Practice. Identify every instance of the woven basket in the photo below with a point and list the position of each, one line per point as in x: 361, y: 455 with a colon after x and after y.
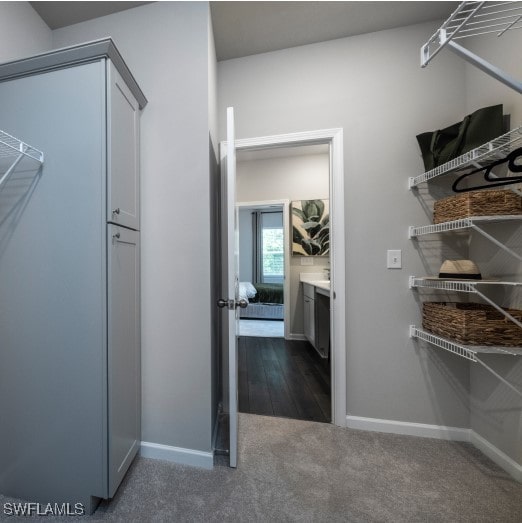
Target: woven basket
x: 477, y: 203
x: 472, y: 323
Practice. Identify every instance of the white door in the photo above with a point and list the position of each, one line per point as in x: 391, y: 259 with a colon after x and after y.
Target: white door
x: 230, y: 283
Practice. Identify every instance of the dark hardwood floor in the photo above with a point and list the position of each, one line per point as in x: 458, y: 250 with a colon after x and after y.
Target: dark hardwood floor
x: 283, y: 378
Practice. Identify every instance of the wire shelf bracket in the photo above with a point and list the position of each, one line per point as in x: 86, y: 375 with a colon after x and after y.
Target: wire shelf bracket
x: 473, y: 223
x: 468, y: 352
x: 479, y: 157
x: 465, y: 286
x: 473, y: 19
x: 14, y: 151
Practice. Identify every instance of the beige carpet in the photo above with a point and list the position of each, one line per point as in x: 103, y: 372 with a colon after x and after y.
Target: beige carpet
x: 293, y: 470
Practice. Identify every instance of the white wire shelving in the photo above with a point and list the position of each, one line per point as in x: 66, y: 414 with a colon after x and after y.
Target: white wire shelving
x: 496, y: 149
x: 469, y: 287
x: 475, y: 19
x: 469, y: 352
x: 12, y: 152
x: 473, y: 223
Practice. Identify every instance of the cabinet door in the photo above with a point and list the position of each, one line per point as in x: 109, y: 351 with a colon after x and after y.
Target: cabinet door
x: 123, y: 361
x: 123, y: 184
x: 309, y: 320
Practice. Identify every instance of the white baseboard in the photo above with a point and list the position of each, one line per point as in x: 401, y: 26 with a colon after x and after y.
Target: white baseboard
x: 408, y: 429
x: 297, y: 337
x: 500, y: 458
x: 422, y: 430
x: 195, y: 458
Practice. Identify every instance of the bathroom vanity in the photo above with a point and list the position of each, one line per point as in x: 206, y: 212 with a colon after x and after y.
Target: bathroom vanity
x: 316, y: 311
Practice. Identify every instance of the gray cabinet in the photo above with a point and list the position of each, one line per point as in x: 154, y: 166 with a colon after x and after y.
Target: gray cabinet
x: 124, y: 358
x: 69, y: 278
x: 123, y: 152
x: 309, y: 312
x: 316, y: 318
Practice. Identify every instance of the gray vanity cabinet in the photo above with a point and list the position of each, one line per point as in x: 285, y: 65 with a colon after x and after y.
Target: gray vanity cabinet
x: 69, y: 278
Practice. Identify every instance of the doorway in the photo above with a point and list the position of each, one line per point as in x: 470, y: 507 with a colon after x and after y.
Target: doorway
x: 334, y: 139
x: 281, y: 371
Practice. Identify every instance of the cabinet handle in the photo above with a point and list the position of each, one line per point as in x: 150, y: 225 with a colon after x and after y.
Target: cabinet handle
x: 116, y: 211
x: 116, y: 236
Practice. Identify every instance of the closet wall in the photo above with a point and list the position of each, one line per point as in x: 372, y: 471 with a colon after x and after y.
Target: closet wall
x: 373, y: 87
x: 288, y: 178
x: 496, y: 411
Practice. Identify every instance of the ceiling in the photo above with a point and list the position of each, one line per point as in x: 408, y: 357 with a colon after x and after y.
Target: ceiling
x: 247, y: 28
x: 62, y: 14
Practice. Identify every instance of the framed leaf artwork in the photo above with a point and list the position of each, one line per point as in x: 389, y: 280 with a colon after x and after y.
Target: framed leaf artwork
x: 310, y: 228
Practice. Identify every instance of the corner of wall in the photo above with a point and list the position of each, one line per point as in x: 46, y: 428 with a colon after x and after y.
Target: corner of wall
x: 22, y: 32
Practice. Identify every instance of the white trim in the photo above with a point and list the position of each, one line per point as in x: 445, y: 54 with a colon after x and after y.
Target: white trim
x: 285, y: 204
x: 337, y: 279
x: 406, y: 428
x: 284, y: 140
x: 334, y: 138
x: 195, y: 458
x: 494, y: 454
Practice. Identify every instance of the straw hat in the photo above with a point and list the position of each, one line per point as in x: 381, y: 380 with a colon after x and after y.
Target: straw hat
x: 460, y: 269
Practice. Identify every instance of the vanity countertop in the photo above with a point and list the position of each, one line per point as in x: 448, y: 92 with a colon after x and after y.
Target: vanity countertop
x: 317, y: 279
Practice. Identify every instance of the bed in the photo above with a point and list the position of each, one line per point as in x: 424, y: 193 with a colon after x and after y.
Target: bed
x: 265, y: 300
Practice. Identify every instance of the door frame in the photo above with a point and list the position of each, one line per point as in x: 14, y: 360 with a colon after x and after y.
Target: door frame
x: 333, y: 138
x: 285, y: 204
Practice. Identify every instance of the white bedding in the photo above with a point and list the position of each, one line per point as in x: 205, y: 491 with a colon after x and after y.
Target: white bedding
x: 246, y: 290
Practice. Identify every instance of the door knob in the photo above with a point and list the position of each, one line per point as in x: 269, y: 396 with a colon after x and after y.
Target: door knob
x: 232, y: 304
x: 221, y: 303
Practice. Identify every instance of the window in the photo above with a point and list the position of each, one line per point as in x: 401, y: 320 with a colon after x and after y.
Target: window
x: 268, y: 259
x: 272, y: 264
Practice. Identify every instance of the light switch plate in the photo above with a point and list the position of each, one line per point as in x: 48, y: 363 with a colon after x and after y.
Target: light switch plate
x: 394, y: 259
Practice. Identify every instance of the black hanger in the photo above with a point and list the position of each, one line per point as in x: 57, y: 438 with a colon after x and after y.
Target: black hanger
x: 497, y: 181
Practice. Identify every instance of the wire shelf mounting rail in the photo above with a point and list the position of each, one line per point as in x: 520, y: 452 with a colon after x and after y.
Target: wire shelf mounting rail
x: 473, y: 223
x: 474, y: 19
x: 14, y: 150
x: 479, y: 157
x: 470, y: 287
x: 468, y: 352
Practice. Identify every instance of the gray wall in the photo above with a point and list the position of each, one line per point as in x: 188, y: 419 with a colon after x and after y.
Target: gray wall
x: 496, y: 411
x: 288, y: 178
x: 373, y: 87
x: 22, y: 32
x: 166, y: 47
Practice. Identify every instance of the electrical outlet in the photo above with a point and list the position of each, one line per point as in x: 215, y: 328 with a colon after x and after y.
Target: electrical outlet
x: 305, y: 260
x: 394, y: 259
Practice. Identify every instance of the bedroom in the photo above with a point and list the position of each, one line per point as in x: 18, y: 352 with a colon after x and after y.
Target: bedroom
x: 273, y: 346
